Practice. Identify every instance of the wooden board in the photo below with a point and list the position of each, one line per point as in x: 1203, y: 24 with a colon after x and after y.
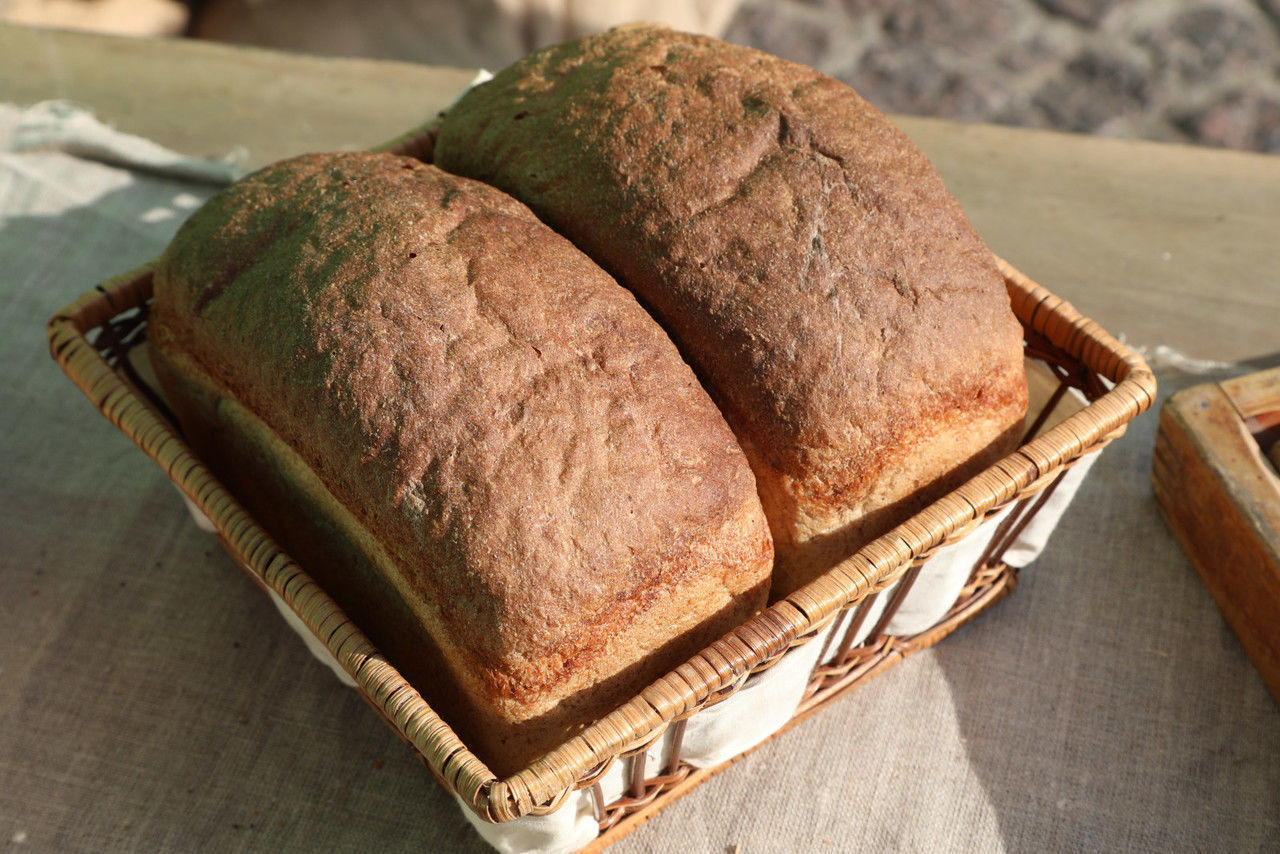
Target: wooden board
x: 1163, y: 243
x: 1221, y: 497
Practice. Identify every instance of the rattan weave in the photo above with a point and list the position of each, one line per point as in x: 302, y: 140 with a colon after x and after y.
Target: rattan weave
x: 91, y: 338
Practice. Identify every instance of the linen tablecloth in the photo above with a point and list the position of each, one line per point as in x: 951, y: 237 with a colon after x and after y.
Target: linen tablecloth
x: 151, y: 698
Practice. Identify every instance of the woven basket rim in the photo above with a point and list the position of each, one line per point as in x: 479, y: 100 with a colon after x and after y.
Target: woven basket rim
x: 546, y: 781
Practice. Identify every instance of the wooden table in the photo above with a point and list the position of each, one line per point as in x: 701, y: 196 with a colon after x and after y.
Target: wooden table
x: 1162, y: 244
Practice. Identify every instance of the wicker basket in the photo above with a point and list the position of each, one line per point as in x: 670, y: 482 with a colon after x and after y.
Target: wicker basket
x: 91, y: 340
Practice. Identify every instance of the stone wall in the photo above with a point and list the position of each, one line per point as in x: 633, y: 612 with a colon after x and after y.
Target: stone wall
x: 1206, y: 71
x: 1203, y: 71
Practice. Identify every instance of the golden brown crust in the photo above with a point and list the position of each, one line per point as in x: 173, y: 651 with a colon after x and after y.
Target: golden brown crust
x: 527, y: 445
x: 801, y: 251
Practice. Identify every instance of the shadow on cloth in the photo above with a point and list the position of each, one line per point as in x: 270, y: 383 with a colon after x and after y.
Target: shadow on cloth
x: 1108, y: 693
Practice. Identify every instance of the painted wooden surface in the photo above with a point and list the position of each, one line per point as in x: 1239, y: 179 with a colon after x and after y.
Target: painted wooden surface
x: 1221, y: 498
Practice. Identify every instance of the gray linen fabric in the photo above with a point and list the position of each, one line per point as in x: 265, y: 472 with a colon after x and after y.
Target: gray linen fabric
x: 152, y: 699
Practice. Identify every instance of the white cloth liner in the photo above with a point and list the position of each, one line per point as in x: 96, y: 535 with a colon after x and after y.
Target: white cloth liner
x: 567, y: 829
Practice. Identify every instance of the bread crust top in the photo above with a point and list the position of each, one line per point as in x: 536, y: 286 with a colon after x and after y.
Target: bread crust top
x: 522, y: 437
x: 801, y: 250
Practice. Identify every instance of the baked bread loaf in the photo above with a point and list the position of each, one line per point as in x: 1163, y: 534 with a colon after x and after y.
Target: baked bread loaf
x: 801, y: 251
x: 482, y: 445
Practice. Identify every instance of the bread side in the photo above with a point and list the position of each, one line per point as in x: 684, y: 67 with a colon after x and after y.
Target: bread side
x: 560, y: 504
x: 801, y: 251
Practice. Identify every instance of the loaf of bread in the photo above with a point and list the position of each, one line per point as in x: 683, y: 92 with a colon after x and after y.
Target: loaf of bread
x: 801, y: 251
x: 479, y: 443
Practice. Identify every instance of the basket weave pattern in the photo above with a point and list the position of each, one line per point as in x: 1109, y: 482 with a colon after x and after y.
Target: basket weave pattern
x: 1115, y: 380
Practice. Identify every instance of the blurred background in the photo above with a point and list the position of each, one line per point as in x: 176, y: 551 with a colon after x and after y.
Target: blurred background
x: 1198, y: 71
